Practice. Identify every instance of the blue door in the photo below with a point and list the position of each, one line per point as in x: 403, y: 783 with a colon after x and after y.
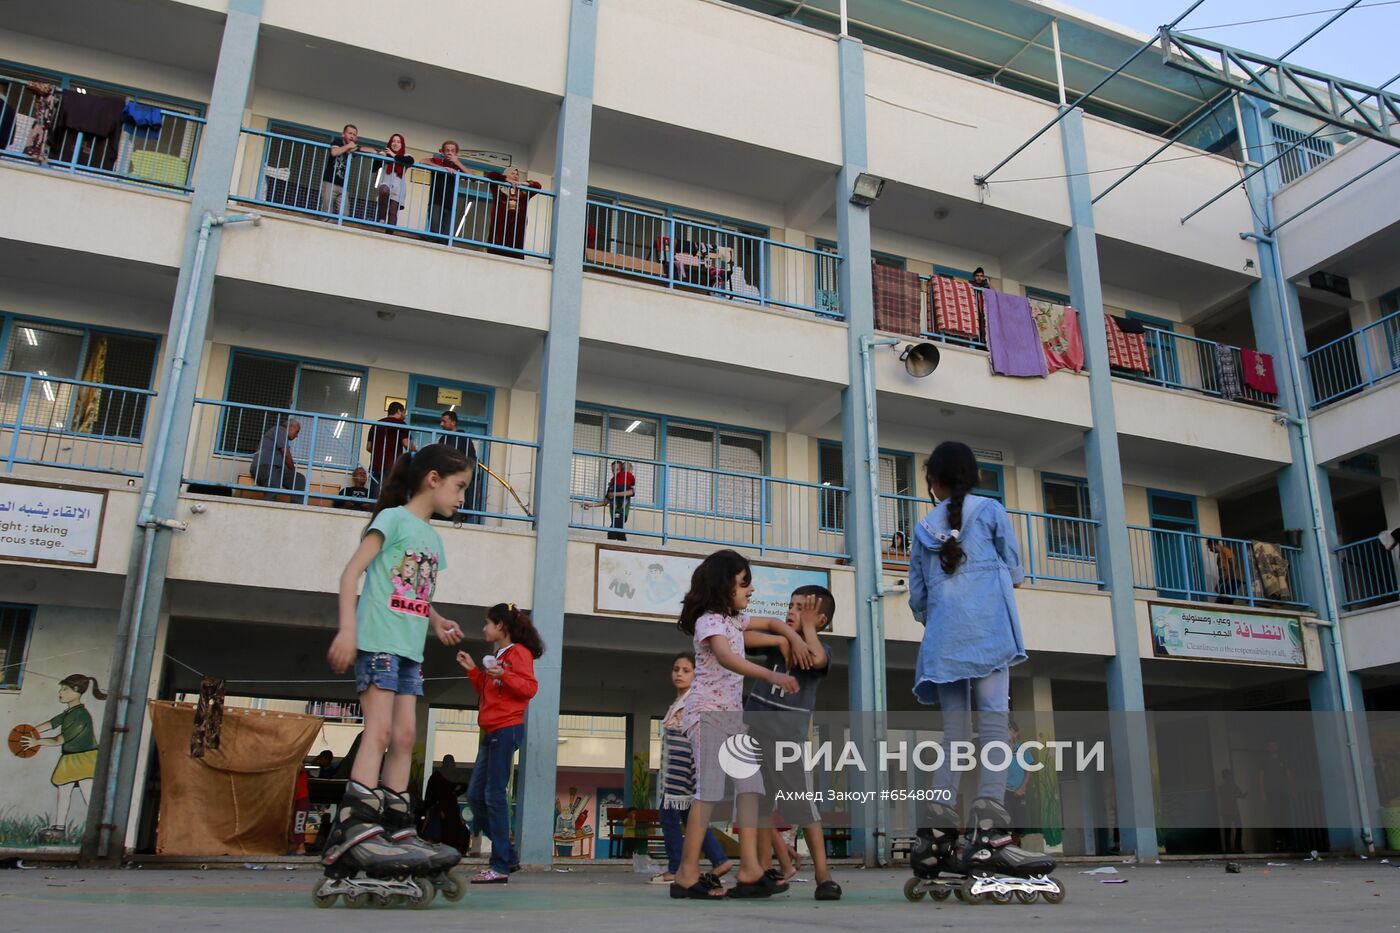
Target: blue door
x: 1177, y: 561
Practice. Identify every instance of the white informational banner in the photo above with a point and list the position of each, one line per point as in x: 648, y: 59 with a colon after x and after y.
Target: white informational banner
x: 1227, y: 634
x: 50, y: 524
x: 652, y: 583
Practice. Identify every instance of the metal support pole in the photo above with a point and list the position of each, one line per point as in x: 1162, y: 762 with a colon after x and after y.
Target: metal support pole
x: 1342, y: 187
x: 1059, y: 61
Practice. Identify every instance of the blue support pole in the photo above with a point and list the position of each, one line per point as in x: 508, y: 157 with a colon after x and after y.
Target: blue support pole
x: 558, y: 395
x: 1132, y: 767
x: 867, y: 657
x: 115, y: 782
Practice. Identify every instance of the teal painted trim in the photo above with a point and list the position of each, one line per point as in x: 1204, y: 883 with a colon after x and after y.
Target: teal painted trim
x: 558, y: 402
x: 686, y: 214
x: 1132, y: 761
x: 1044, y: 294
x: 65, y: 80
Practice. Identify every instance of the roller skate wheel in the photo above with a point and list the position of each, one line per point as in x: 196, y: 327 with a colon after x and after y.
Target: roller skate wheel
x: 913, y: 890
x: 357, y: 900
x: 322, y: 900
x: 940, y: 894
x: 426, y: 892
x: 967, y: 897
x: 454, y: 885
x: 1027, y: 897
x: 1059, y: 893
x: 1000, y: 897
x: 381, y: 901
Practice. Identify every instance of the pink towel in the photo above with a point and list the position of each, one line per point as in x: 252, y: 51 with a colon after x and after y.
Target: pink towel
x: 1058, y: 326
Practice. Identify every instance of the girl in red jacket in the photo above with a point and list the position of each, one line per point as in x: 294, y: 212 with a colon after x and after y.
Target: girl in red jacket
x: 505, y: 681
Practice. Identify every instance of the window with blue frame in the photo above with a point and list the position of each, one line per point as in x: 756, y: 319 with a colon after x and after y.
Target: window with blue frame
x: 1044, y: 294
x: 114, y: 361
x: 1067, y: 497
x: 16, y: 625
x: 901, y: 502
x: 692, y: 452
x: 286, y: 385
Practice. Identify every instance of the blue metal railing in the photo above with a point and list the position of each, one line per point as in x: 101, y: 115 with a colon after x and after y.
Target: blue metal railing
x: 72, y: 424
x: 438, y: 205
x: 1370, y: 574
x: 677, y: 502
x: 161, y: 155
x: 1052, y: 547
x: 1354, y: 361
x: 226, y: 435
x: 1208, y: 568
x: 1181, y: 361
x: 737, y: 266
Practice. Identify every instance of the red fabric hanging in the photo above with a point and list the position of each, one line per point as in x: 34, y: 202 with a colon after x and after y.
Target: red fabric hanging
x: 1258, y: 371
x: 955, y: 307
x: 1126, y: 351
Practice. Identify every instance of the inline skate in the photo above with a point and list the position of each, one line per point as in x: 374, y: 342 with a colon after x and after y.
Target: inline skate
x: 364, y: 866
x: 983, y: 865
x: 442, y: 859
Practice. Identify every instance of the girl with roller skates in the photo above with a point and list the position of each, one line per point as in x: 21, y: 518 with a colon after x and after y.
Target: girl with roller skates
x: 962, y: 569
x: 382, y: 634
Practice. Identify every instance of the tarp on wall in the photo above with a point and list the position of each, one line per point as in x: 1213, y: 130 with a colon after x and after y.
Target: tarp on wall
x: 237, y: 799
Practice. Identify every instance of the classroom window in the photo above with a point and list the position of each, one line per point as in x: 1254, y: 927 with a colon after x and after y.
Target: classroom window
x: 1069, y: 498
x: 309, y: 388
x: 16, y: 623
x: 897, y: 479
x: 89, y: 355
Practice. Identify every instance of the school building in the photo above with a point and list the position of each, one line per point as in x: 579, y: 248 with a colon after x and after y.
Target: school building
x: 747, y: 213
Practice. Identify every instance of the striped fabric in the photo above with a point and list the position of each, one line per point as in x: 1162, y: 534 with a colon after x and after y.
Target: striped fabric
x: 955, y: 307
x: 1125, y: 351
x: 896, y: 294
x: 678, y: 770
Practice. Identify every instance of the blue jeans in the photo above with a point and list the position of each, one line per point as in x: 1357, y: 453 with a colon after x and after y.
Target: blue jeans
x: 486, y: 794
x: 993, y: 700
x: 673, y: 830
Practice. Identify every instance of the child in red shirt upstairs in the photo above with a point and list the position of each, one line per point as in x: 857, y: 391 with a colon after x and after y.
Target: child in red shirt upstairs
x: 505, y: 681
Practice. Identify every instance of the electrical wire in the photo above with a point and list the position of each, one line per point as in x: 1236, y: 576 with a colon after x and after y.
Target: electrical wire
x: 1275, y: 19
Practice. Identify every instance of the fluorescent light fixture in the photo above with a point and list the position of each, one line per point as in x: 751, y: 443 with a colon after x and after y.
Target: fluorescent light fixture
x: 29, y: 337
x: 339, y: 429
x: 866, y: 190
x: 634, y: 426
x: 354, y: 383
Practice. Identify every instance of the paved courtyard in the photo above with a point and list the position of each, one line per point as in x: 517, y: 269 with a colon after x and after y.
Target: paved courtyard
x: 1361, y: 896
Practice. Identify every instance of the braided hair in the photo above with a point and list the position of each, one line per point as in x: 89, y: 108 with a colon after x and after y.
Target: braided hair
x: 952, y: 465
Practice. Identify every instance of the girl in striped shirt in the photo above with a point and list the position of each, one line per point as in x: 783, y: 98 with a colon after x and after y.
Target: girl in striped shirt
x: 678, y: 779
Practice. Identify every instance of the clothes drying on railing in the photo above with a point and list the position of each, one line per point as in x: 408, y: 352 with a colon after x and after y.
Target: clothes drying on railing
x: 145, y: 119
x: 1058, y: 326
x: 1259, y: 371
x: 1013, y: 343
x: 896, y: 293
x: 1228, y: 372
x: 1270, y: 572
x: 1127, y: 344
x: 955, y: 307
x: 99, y: 120
x: 46, y: 102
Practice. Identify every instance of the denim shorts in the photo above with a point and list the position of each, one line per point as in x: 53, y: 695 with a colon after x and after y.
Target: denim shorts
x: 388, y: 672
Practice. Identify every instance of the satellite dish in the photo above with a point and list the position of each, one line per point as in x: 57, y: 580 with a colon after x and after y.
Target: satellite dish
x: 920, y: 359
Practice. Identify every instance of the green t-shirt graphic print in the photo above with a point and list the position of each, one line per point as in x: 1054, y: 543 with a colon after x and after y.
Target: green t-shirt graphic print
x: 392, y: 615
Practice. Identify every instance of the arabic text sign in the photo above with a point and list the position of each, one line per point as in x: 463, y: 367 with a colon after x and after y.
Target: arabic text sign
x: 1225, y: 635
x: 50, y: 524
x: 651, y: 583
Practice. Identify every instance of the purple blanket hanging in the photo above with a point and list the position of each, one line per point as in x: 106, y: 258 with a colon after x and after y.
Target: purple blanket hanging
x: 1012, y: 338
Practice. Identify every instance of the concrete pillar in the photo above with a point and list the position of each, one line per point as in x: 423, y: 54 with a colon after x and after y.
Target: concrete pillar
x: 558, y: 396
x: 134, y: 652
x: 1131, y: 763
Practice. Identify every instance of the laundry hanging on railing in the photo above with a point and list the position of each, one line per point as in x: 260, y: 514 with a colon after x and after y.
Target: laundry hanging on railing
x: 896, y: 294
x: 1127, y: 344
x: 1228, y: 373
x: 1259, y: 371
x: 145, y: 119
x: 1013, y: 343
x: 1270, y: 572
x: 1058, y: 326
x: 955, y: 307
x: 98, y: 119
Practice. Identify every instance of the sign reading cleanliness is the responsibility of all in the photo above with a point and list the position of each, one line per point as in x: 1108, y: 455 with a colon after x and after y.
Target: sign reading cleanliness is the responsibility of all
x: 50, y: 524
x: 1225, y: 635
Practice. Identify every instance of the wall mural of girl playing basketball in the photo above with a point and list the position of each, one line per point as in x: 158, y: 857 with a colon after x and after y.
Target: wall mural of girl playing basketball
x: 73, y: 733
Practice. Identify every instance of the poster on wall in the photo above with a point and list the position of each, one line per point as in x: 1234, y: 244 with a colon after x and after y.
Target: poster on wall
x: 50, y: 524
x: 637, y: 582
x: 1226, y: 634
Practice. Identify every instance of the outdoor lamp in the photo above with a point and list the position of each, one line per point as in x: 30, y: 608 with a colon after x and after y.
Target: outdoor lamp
x: 866, y: 190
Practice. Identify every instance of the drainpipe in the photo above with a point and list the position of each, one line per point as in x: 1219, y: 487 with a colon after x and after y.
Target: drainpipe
x: 148, y: 521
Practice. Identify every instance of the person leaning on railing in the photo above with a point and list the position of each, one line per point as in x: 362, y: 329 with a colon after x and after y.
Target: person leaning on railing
x: 390, y: 181
x: 337, y: 163
x: 442, y: 192
x: 508, y: 203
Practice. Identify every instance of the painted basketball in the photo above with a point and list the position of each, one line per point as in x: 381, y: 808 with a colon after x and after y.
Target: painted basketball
x: 19, y: 732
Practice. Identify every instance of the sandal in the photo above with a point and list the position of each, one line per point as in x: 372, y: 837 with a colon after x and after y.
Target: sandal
x: 490, y: 876
x: 662, y: 879
x: 761, y: 888
x: 699, y: 891
x: 828, y: 891
x: 774, y: 879
x: 711, y: 879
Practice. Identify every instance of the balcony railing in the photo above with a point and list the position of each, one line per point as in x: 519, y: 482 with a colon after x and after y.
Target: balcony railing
x: 1206, y: 568
x: 225, y: 436
x: 150, y: 146
x: 1370, y: 574
x: 439, y: 205
x: 1353, y: 362
x: 1052, y: 547
x: 675, y: 502
x: 1181, y: 361
x: 699, y: 257
x: 72, y: 424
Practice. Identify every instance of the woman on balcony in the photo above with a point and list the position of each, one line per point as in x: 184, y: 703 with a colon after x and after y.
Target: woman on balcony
x: 391, y: 180
x: 508, y: 203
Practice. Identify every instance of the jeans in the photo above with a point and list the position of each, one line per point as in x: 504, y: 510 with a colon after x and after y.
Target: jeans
x: 673, y: 829
x: 619, y: 519
x: 279, y: 475
x: 486, y: 794
x: 993, y: 701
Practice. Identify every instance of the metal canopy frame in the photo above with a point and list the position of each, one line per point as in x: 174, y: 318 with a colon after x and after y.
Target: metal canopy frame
x: 1360, y: 108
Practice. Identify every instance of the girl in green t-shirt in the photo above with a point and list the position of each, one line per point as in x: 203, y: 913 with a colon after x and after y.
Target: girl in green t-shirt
x: 381, y: 635
x: 75, y: 735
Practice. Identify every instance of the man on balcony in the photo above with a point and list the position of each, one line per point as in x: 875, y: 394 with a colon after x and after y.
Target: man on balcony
x: 387, y: 440
x: 273, y: 464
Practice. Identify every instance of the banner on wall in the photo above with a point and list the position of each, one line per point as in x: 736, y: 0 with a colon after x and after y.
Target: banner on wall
x: 50, y: 524
x: 1227, y: 634
x: 638, y: 582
